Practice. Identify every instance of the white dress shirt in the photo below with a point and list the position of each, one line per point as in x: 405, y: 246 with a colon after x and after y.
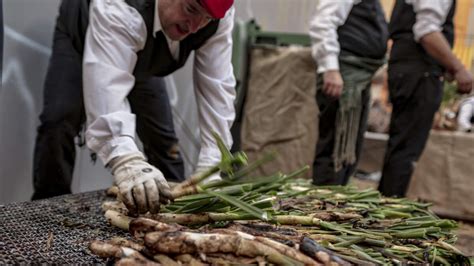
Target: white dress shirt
x: 430, y: 16
x: 327, y: 18
x: 116, y: 33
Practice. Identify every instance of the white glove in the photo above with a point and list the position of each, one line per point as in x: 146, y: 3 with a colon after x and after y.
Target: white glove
x: 141, y: 186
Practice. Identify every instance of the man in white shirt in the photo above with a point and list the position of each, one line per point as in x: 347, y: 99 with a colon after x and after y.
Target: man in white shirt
x: 423, y: 34
x: 349, y: 42
x: 122, y: 48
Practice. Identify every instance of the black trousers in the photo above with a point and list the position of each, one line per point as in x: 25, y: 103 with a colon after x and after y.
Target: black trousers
x: 63, y: 117
x: 323, y: 166
x: 416, y: 96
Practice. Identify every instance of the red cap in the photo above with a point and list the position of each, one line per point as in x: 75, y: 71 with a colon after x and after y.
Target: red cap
x: 217, y: 8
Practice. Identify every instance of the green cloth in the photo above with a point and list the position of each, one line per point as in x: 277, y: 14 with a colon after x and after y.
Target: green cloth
x: 357, y: 73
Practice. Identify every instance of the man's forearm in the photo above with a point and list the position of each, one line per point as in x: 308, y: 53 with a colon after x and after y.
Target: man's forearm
x: 438, y: 47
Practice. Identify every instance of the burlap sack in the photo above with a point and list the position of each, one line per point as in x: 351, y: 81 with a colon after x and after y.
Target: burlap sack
x: 280, y: 112
x: 444, y: 174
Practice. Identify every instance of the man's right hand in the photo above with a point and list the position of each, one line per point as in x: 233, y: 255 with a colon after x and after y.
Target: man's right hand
x: 464, y: 80
x: 142, y: 187
x: 333, y: 83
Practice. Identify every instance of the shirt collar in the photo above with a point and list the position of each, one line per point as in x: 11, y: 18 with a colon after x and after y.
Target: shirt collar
x: 156, y: 22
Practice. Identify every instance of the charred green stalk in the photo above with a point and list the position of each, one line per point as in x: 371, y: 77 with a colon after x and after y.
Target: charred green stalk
x: 191, y: 243
x: 360, y: 226
x: 229, y: 162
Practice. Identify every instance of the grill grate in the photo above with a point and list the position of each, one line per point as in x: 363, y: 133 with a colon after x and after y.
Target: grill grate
x: 56, y: 230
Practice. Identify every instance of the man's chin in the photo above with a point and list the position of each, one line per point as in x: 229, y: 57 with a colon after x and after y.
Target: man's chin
x: 176, y: 35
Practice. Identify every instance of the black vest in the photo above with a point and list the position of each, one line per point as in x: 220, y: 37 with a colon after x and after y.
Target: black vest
x: 404, y: 48
x: 155, y: 59
x: 365, y: 31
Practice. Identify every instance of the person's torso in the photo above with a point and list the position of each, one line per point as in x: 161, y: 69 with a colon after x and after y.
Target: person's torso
x: 405, y: 48
x: 155, y: 59
x: 365, y: 32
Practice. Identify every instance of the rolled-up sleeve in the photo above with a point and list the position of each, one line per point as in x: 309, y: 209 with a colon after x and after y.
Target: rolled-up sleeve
x: 116, y: 33
x: 430, y: 16
x: 325, y: 21
x: 215, y: 90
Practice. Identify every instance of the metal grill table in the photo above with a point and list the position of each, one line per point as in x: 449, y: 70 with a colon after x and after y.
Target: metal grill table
x: 56, y: 230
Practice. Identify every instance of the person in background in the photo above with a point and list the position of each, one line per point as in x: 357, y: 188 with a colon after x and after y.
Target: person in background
x: 423, y: 34
x: 466, y: 115
x: 349, y: 42
x: 106, y: 67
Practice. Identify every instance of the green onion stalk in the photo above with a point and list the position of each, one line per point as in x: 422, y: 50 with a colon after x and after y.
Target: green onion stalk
x: 361, y: 226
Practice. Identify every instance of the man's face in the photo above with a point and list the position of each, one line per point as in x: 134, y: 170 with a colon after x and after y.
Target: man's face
x: 179, y: 18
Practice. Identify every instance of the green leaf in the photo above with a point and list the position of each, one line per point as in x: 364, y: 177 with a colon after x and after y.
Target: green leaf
x: 225, y: 153
x: 251, y: 210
